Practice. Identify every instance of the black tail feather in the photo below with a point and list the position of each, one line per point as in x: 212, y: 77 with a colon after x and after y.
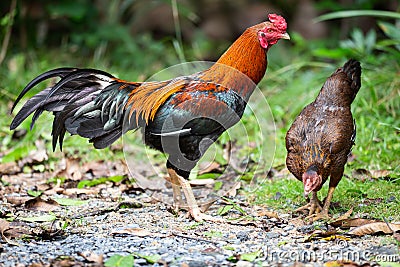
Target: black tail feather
x: 60, y: 72
x: 352, y: 68
x: 107, y: 139
x: 86, y: 102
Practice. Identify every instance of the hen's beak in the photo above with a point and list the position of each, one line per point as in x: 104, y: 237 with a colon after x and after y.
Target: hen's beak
x: 285, y: 36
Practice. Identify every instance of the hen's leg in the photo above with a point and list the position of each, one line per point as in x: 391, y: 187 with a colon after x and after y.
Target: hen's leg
x: 176, y: 190
x: 194, y: 209
x: 324, y: 212
x: 336, y: 176
x: 313, y: 206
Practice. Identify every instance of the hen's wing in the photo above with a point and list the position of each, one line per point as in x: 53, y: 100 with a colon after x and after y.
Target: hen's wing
x: 319, y: 136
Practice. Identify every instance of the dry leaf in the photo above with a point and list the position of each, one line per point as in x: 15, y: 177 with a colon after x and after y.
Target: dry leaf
x: 15, y: 200
x: 129, y: 205
x: 344, y: 263
x: 268, y: 213
x: 330, y: 234
x: 79, y: 191
x: 97, y: 168
x: 92, y: 257
x: 137, y: 232
x: 4, y: 225
x: 279, y: 172
x: 346, y: 215
x: 379, y: 173
x: 374, y: 228
x: 233, y: 191
x: 35, y: 156
x: 66, y: 261
x: 297, y: 222
x: 9, y: 168
x: 207, y: 167
x: 7, y: 231
x: 41, y: 205
x: 41, y: 154
x: 335, y: 237
x: 55, y: 190
x: 72, y: 169
x: 347, y: 223
x: 396, y: 236
x: 361, y: 174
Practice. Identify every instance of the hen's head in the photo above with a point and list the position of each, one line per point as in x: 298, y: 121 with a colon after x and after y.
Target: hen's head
x: 311, y: 180
x: 274, y: 30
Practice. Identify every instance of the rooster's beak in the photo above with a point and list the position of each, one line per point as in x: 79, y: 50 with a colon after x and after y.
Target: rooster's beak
x: 285, y: 36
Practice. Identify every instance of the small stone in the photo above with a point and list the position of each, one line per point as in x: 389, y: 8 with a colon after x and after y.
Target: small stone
x: 288, y: 228
x: 391, y: 199
x: 242, y: 236
x: 196, y: 264
x: 244, y: 264
x: 272, y: 235
x: 305, y: 229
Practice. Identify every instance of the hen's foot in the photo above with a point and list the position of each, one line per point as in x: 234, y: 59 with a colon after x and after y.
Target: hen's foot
x: 323, y: 215
x: 324, y: 211
x: 199, y: 216
x: 313, y: 206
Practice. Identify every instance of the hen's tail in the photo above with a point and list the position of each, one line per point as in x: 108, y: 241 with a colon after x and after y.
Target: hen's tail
x: 352, y: 68
x: 87, y: 102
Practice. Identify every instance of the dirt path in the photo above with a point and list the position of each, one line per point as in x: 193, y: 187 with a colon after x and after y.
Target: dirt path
x: 89, y: 234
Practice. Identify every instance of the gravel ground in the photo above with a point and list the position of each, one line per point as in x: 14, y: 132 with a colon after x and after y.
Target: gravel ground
x: 96, y: 229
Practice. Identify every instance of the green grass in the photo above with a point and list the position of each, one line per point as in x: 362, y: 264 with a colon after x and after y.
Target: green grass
x: 377, y: 198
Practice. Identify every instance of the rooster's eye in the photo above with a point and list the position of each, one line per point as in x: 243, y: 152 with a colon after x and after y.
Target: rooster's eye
x: 269, y: 30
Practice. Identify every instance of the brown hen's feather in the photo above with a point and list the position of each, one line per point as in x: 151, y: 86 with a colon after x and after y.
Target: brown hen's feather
x: 323, y: 134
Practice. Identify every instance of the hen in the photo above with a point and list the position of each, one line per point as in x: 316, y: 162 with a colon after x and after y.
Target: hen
x: 321, y: 137
x: 181, y: 117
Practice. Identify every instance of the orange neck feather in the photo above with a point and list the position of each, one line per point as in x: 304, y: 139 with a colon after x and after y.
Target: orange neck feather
x: 244, y: 55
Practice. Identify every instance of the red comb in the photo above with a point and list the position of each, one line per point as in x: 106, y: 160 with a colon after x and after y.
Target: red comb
x: 278, y: 21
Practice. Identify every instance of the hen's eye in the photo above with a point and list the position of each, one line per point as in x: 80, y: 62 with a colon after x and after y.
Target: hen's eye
x: 269, y: 30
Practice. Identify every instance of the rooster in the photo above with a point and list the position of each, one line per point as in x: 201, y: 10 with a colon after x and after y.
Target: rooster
x: 320, y: 139
x: 181, y: 117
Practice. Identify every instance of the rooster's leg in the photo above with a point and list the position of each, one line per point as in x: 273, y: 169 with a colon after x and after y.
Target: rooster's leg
x: 313, y: 206
x: 176, y: 190
x: 194, y: 209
